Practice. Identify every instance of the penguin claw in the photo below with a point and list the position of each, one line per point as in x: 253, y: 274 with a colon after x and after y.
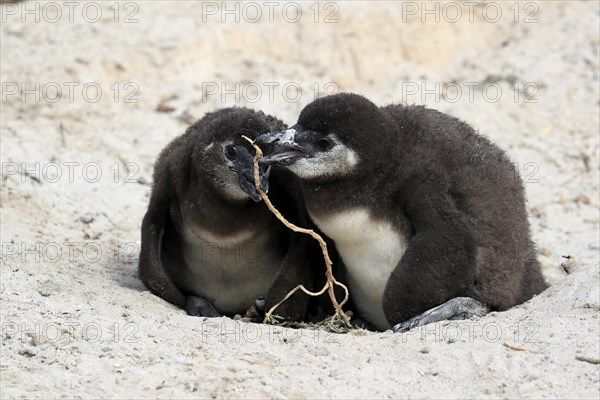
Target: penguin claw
x: 405, y: 326
x: 454, y: 309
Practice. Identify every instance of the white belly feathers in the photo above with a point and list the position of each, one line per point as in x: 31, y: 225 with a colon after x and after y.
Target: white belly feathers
x: 231, y: 272
x: 371, y: 250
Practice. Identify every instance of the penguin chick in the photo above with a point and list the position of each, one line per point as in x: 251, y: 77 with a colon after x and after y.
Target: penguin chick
x: 208, y: 244
x: 428, y: 216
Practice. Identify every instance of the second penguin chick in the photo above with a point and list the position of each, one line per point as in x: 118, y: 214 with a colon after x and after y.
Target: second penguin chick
x: 424, y: 231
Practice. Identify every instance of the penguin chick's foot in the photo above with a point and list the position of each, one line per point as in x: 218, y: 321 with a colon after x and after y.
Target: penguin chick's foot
x: 456, y: 308
x: 200, y: 307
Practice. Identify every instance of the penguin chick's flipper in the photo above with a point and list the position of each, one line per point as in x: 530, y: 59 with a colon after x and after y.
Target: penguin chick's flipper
x: 454, y: 309
x: 151, y: 268
x: 200, y: 307
x: 294, y: 271
x: 303, y: 257
x: 439, y: 264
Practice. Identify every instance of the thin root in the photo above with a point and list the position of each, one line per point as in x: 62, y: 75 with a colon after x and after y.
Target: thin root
x: 331, y: 281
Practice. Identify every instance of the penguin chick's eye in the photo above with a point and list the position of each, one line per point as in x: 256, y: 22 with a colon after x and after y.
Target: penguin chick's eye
x: 230, y: 152
x: 323, y: 144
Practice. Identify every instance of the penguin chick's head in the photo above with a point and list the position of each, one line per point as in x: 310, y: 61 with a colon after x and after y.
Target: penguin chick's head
x: 333, y: 135
x: 224, y: 159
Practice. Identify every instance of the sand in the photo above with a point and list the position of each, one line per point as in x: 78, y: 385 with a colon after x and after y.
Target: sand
x: 80, y: 131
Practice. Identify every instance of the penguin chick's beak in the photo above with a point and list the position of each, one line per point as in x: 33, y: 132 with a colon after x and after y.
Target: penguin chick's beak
x: 281, y: 148
x: 246, y: 178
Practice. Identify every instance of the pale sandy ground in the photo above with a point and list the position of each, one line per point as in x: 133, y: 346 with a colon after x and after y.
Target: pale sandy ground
x: 77, y: 322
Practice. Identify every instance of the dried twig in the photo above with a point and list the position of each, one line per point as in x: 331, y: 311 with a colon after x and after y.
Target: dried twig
x: 331, y: 281
x: 588, y: 359
x: 513, y: 347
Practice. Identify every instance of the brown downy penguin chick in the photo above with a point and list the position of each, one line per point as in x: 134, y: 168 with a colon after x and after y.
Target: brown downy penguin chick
x: 425, y: 230
x: 209, y: 245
